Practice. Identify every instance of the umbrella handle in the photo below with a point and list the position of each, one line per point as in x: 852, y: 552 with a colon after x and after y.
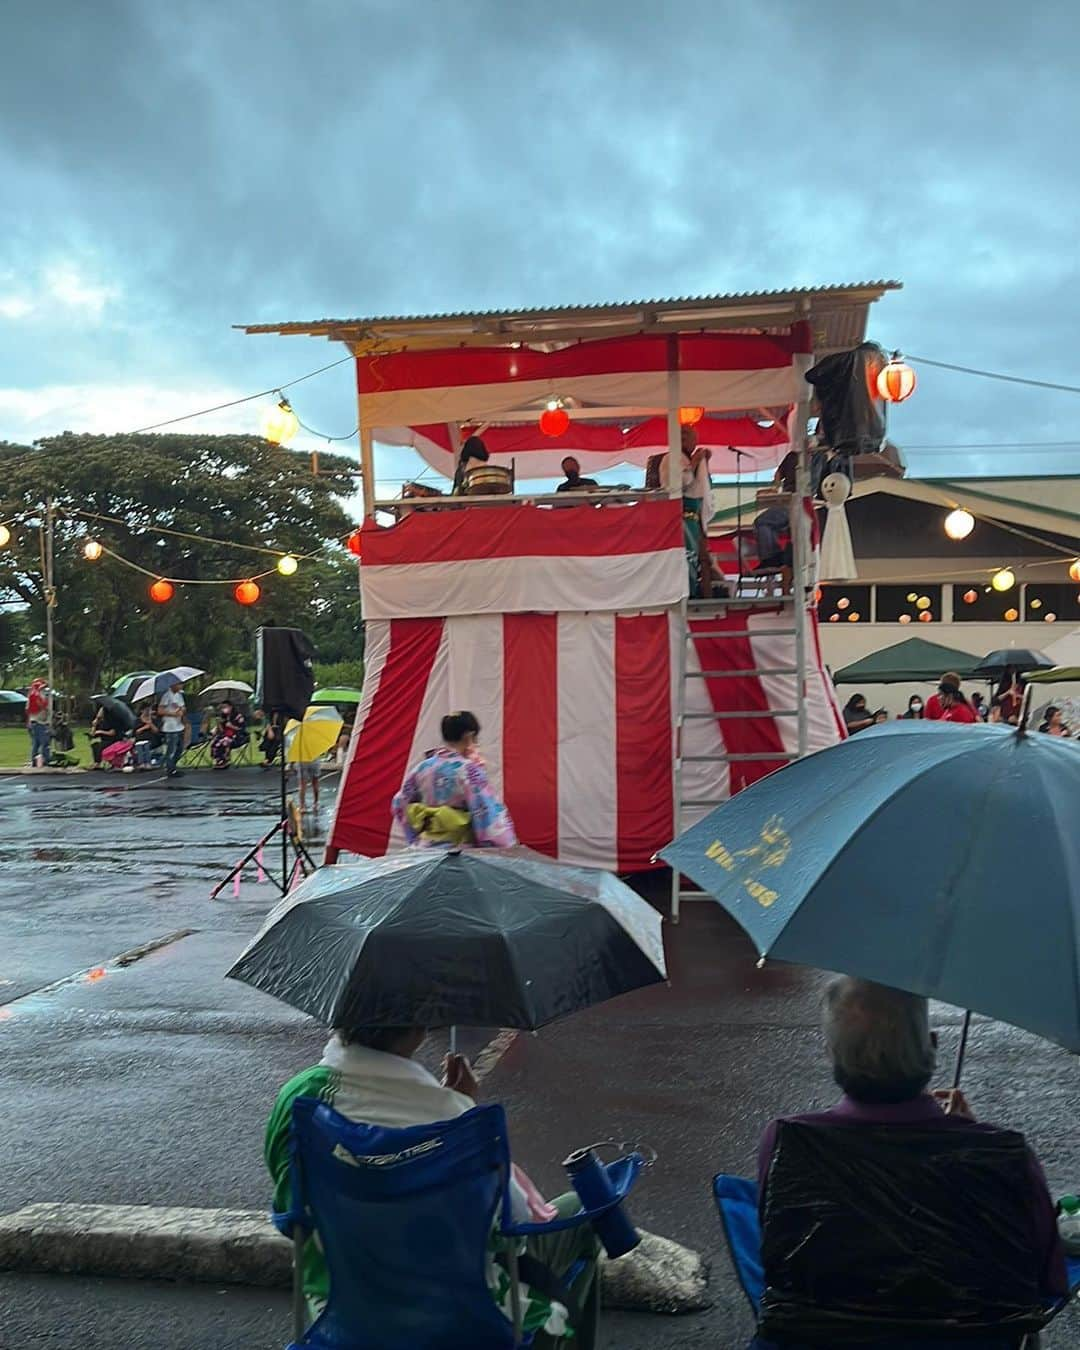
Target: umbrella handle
x: 960, y: 1050
x: 1025, y: 710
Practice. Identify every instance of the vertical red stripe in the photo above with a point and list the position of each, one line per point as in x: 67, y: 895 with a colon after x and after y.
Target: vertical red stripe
x: 381, y: 757
x: 531, y: 728
x: 741, y: 735
x: 642, y: 737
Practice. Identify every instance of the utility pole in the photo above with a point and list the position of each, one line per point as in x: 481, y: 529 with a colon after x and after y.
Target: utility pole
x: 50, y: 595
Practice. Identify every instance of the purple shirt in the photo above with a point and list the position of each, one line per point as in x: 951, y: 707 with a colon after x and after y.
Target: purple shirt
x: 924, y: 1111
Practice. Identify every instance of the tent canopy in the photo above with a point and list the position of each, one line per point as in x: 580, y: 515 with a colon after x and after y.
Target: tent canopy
x: 913, y: 660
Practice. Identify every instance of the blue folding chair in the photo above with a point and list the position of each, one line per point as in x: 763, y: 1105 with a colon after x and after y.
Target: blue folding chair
x: 404, y: 1218
x: 737, y: 1200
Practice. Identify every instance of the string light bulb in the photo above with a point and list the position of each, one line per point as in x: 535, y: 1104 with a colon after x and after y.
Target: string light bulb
x: 162, y: 591
x: 247, y: 592
x: 280, y: 424
x: 5, y: 536
x: 1004, y: 579
x: 92, y: 550
x: 959, y: 523
x: 287, y: 565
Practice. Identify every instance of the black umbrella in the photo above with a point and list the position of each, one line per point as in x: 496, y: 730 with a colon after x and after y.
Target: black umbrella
x: 120, y: 715
x: 433, y: 938
x: 1020, y: 659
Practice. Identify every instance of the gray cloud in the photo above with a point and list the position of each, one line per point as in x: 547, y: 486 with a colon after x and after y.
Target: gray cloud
x: 206, y: 163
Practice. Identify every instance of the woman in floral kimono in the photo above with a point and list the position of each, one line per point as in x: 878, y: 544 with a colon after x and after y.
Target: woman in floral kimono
x: 446, y: 799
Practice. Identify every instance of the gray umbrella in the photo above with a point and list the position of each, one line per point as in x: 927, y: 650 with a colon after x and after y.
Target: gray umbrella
x: 121, y: 716
x: 434, y: 938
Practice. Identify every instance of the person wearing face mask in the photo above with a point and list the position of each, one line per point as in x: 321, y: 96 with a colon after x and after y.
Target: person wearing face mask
x: 914, y: 709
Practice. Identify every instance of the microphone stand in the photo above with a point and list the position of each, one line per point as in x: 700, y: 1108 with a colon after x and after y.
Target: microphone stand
x: 740, y: 455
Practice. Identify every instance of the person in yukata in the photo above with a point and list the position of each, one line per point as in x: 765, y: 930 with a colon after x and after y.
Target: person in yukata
x: 446, y: 800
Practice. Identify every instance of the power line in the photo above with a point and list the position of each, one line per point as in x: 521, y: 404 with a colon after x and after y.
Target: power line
x: 248, y: 398
x: 994, y: 375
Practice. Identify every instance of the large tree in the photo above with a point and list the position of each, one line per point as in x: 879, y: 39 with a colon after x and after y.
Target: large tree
x: 126, y: 491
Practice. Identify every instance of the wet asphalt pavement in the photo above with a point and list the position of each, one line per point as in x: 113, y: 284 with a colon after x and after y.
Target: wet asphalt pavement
x: 151, y: 1084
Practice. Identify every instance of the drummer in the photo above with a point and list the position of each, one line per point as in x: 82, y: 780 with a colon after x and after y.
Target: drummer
x: 474, y: 449
x: 574, y: 481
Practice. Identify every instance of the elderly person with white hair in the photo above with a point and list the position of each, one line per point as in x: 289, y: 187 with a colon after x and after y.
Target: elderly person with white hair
x: 883, y: 1056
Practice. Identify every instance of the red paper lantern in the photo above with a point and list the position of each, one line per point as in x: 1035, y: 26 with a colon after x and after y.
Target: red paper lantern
x: 690, y: 417
x: 162, y: 591
x: 554, y: 421
x: 970, y: 597
x: 926, y: 617
x: 355, y: 543
x: 896, y: 382
x: 247, y: 592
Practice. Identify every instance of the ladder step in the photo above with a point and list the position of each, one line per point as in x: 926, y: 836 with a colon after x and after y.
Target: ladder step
x: 739, y: 674
x: 741, y: 633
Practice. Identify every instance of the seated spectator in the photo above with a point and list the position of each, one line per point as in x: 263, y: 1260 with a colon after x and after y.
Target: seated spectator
x: 370, y: 1076
x: 231, y: 734
x: 914, y: 712
x: 1053, y: 722
x: 103, y: 733
x: 978, y: 707
x: 949, y: 704
x: 857, y: 716
x: 880, y: 715
x: 270, y: 741
x: 883, y: 1055
x: 574, y: 481
x: 147, y: 737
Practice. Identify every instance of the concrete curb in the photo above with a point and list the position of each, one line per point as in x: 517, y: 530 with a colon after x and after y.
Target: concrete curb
x: 241, y: 1246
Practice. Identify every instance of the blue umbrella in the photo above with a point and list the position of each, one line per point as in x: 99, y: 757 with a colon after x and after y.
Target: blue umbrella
x: 938, y: 858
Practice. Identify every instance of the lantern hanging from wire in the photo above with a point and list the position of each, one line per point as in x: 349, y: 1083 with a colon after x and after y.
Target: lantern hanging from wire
x: 925, y: 616
x: 1074, y: 570
x: 92, y: 550
x: 247, y: 592
x: 5, y: 536
x: 896, y: 380
x: 690, y: 417
x: 355, y: 543
x: 162, y: 591
x: 959, y: 523
x: 287, y: 565
x: 554, y: 420
x: 970, y: 597
x: 1004, y: 579
x: 1049, y: 618
x: 280, y: 424
x: 1011, y: 615
x: 922, y: 602
x: 904, y: 618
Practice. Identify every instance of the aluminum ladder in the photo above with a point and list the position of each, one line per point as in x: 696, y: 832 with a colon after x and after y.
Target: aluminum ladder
x: 697, y: 610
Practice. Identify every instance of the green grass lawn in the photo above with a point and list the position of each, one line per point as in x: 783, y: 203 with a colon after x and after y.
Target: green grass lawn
x: 15, y: 746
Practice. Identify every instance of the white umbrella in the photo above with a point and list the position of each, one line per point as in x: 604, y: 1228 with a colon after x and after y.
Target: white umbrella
x: 165, y: 679
x: 224, y: 687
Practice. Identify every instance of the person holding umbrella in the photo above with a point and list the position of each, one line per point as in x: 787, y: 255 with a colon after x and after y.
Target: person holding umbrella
x: 446, y: 800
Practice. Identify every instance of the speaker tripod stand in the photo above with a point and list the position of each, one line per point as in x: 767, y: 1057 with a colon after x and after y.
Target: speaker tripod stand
x: 302, y: 859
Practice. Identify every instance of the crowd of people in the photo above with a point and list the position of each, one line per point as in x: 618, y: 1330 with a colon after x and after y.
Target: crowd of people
x: 949, y: 703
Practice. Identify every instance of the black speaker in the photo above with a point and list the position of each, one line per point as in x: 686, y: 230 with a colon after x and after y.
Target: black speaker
x: 284, y: 678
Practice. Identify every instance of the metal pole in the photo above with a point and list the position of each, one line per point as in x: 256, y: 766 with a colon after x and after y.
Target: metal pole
x: 50, y: 599
x: 367, y: 472
x: 801, y: 554
x: 674, y: 431
x: 961, y: 1049
x: 285, y: 822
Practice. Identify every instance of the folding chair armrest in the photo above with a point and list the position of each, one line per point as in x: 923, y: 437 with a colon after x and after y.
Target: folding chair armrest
x: 622, y: 1174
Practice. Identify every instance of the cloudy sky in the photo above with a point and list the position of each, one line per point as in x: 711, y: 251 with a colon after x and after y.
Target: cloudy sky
x: 171, y: 169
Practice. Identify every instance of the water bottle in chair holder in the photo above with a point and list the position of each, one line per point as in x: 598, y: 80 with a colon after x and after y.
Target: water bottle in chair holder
x: 590, y: 1179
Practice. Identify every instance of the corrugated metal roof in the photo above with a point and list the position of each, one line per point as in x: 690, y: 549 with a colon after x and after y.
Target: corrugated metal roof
x: 838, y: 314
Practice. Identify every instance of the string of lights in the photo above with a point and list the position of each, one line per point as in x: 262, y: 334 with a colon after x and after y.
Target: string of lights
x: 995, y: 375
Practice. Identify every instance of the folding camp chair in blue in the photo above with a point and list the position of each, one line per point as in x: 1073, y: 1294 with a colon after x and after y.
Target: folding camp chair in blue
x: 404, y: 1219
x: 737, y: 1200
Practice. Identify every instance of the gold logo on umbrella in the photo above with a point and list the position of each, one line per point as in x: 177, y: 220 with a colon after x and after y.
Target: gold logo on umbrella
x: 772, y: 850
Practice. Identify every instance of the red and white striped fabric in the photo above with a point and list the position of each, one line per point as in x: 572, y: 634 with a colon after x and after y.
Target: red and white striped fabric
x: 516, y: 559
x: 627, y: 376
x: 600, y: 445
x: 576, y: 720
x: 561, y: 631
